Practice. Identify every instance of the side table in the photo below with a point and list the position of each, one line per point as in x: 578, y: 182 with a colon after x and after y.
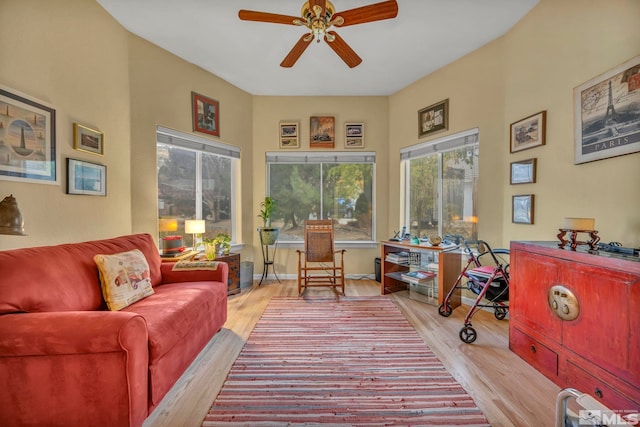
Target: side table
x: 233, y: 260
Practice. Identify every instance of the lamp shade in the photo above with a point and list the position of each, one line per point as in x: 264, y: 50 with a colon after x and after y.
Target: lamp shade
x: 194, y: 226
x: 167, y: 224
x: 10, y: 217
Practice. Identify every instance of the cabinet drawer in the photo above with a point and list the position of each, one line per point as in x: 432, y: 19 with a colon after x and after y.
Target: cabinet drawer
x: 537, y: 355
x: 603, y: 391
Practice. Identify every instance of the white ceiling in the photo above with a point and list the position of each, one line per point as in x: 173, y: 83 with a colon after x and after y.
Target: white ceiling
x: 426, y: 35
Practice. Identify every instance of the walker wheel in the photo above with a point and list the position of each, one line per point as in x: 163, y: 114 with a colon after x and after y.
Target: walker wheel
x: 468, y: 334
x: 500, y: 312
x: 445, y: 310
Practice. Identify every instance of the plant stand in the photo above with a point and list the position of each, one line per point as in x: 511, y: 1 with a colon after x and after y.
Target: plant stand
x: 268, y: 257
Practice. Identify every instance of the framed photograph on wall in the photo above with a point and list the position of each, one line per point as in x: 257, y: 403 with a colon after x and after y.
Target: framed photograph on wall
x: 606, y: 114
x: 289, y: 135
x: 87, y: 139
x: 523, y: 172
x: 522, y: 208
x: 322, y: 132
x: 86, y: 178
x: 27, y: 139
x: 528, y: 132
x: 354, y: 135
x: 433, y: 119
x: 206, y: 114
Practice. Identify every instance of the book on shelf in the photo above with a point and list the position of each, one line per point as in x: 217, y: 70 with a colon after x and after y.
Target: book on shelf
x: 418, y: 276
x: 398, y: 257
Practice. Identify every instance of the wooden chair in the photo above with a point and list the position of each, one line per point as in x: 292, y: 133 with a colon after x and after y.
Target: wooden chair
x: 320, y: 264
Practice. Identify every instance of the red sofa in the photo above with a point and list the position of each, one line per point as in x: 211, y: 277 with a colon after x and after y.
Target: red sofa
x: 65, y: 360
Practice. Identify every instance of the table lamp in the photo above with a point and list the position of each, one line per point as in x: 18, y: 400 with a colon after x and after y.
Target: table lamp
x: 195, y: 227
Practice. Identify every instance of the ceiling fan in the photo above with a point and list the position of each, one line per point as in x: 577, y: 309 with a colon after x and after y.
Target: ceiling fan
x: 320, y: 15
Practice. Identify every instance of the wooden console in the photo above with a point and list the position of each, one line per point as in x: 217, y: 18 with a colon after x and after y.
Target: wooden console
x: 598, y: 352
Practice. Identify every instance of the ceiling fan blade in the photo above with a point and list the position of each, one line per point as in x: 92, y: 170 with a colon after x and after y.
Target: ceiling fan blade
x: 296, y: 51
x: 343, y: 50
x: 370, y: 13
x: 252, y: 15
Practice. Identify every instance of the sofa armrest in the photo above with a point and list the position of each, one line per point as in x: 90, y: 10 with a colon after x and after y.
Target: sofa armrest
x: 169, y: 276
x: 70, y: 332
x: 65, y: 368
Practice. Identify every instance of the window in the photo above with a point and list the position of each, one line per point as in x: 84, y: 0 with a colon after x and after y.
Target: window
x: 323, y: 185
x: 441, y: 186
x: 195, y: 181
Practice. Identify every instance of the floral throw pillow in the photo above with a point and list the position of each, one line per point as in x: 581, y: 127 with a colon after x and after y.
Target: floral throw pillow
x: 124, y: 277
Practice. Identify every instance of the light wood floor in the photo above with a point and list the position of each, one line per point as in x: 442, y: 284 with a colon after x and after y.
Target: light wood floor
x: 505, y: 388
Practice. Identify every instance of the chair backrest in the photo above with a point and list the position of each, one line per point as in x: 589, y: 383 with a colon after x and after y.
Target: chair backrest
x: 318, y: 240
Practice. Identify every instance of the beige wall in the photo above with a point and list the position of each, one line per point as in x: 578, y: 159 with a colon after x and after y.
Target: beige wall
x: 372, y: 111
x: 73, y: 55
x: 161, y: 86
x: 556, y: 47
x: 52, y: 52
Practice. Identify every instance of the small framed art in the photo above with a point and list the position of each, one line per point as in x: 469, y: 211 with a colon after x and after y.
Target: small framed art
x: 322, y: 132
x: 354, y: 135
x: 289, y: 135
x: 522, y: 209
x: 434, y: 118
x: 86, y: 178
x: 206, y: 114
x: 528, y: 132
x: 87, y: 139
x: 523, y: 171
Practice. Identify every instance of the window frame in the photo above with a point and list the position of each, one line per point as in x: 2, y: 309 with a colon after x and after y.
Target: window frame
x: 468, y: 138
x: 324, y: 157
x: 200, y: 145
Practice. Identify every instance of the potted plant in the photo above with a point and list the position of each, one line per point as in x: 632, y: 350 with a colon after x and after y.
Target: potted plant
x: 223, y: 243
x: 209, y: 248
x: 268, y: 234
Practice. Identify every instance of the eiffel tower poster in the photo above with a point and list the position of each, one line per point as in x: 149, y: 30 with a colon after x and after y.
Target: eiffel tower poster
x: 607, y: 116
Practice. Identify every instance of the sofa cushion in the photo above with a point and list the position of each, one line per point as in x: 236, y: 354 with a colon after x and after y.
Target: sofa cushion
x: 124, y: 278
x: 175, y: 310
x: 64, y: 277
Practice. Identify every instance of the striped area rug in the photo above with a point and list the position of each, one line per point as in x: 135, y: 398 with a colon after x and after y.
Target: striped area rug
x: 352, y: 361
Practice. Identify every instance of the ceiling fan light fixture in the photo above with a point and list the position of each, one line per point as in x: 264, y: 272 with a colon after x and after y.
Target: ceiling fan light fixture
x: 318, y: 16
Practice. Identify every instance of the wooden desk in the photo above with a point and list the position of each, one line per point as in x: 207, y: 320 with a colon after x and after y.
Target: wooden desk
x: 447, y: 266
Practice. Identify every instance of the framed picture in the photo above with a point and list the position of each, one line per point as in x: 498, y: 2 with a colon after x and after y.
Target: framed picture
x: 522, y: 209
x: 27, y: 139
x: 523, y: 172
x: 87, y: 139
x: 322, y: 132
x: 354, y: 135
x: 206, y: 114
x: 86, y: 178
x: 606, y: 114
x: 434, y: 118
x: 528, y: 132
x: 289, y: 135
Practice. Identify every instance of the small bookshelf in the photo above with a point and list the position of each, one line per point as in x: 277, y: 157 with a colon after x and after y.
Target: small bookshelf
x: 400, y: 258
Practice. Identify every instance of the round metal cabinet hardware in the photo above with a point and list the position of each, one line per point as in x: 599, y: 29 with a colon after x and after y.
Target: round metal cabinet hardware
x: 598, y: 393
x: 563, y: 302
x: 532, y: 348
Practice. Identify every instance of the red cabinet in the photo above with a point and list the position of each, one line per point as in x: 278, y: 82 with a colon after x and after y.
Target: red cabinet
x: 598, y: 351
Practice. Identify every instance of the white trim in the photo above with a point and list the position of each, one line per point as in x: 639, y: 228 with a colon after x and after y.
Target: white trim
x: 195, y: 142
